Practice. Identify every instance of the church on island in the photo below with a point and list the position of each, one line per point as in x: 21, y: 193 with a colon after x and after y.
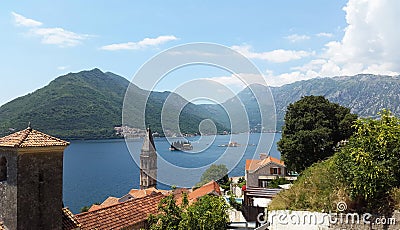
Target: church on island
x: 31, y: 185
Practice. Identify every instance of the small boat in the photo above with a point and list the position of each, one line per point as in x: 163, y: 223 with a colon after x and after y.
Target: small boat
x: 230, y: 144
x: 181, y: 146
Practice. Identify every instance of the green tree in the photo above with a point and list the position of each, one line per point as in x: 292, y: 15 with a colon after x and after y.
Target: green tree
x: 370, y: 163
x: 169, y: 216
x: 84, y: 209
x: 241, y: 182
x: 236, y: 205
x: 313, y: 127
x: 208, y: 213
x: 278, y: 181
x: 218, y: 173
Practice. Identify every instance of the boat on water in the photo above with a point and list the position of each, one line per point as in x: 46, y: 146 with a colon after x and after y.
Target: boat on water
x: 230, y: 144
x: 181, y: 146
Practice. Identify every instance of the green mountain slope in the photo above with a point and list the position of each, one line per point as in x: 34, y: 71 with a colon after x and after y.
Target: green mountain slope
x: 76, y: 105
x: 88, y: 104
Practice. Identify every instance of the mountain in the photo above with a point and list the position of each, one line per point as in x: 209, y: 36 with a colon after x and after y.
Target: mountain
x: 245, y: 110
x: 364, y: 94
x: 89, y: 104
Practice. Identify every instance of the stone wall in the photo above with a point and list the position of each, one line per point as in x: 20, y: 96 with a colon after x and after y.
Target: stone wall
x: 40, y: 190
x: 8, y: 191
x: 31, y: 197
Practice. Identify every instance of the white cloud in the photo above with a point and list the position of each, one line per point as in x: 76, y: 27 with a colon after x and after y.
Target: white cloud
x: 62, y: 67
x: 297, y: 38
x: 145, y: 43
x: 369, y: 45
x: 55, y: 36
x: 277, y: 56
x: 59, y: 36
x: 23, y: 21
x: 323, y: 34
x: 370, y: 42
x: 237, y: 82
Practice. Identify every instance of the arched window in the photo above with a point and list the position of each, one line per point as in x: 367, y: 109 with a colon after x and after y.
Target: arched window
x: 3, y: 169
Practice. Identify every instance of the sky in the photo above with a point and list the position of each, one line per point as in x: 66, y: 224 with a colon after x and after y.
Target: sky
x: 287, y: 40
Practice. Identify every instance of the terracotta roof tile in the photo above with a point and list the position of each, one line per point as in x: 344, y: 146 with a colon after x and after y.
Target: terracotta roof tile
x: 138, y: 193
x: 121, y: 215
x: 108, y: 202
x: 30, y: 138
x: 69, y: 222
x: 255, y: 164
x: 252, y: 164
x: 211, y: 187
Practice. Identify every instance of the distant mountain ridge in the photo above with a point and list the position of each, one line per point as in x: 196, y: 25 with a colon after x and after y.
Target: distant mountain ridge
x: 88, y: 104
x: 364, y: 94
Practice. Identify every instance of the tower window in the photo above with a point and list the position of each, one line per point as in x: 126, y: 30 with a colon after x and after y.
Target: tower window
x: 3, y: 169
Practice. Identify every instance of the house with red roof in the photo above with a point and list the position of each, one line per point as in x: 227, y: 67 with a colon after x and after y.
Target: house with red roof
x: 259, y: 172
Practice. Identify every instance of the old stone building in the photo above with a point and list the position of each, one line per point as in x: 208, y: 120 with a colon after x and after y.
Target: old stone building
x: 31, y: 171
x: 148, y: 162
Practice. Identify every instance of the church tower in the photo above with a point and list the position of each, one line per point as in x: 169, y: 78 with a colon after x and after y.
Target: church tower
x: 31, y: 171
x: 148, y: 162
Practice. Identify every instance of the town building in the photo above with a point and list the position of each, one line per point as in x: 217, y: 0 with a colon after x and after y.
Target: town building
x: 259, y: 172
x: 131, y: 214
x: 211, y: 188
x: 148, y: 162
x: 31, y: 180
x: 133, y: 194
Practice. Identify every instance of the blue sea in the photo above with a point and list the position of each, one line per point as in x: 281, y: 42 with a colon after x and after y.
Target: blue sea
x: 95, y: 170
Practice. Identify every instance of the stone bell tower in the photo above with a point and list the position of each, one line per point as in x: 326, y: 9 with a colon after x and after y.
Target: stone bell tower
x: 148, y: 162
x: 31, y: 180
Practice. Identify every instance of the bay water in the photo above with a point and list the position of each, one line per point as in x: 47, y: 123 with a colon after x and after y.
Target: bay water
x: 97, y: 169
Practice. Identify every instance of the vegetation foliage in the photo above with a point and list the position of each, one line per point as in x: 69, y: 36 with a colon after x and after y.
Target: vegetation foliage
x: 313, y: 127
x: 364, y: 173
x: 370, y: 163
x: 218, y: 173
x: 209, y: 212
x: 317, y: 189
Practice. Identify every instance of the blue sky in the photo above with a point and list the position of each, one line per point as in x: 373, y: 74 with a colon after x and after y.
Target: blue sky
x: 287, y: 40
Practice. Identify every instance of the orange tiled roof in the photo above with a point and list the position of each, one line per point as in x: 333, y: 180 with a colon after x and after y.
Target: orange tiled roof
x: 255, y: 164
x: 69, y: 222
x: 138, y: 193
x: 30, y: 138
x: 121, y: 215
x: 211, y: 187
x: 108, y: 202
